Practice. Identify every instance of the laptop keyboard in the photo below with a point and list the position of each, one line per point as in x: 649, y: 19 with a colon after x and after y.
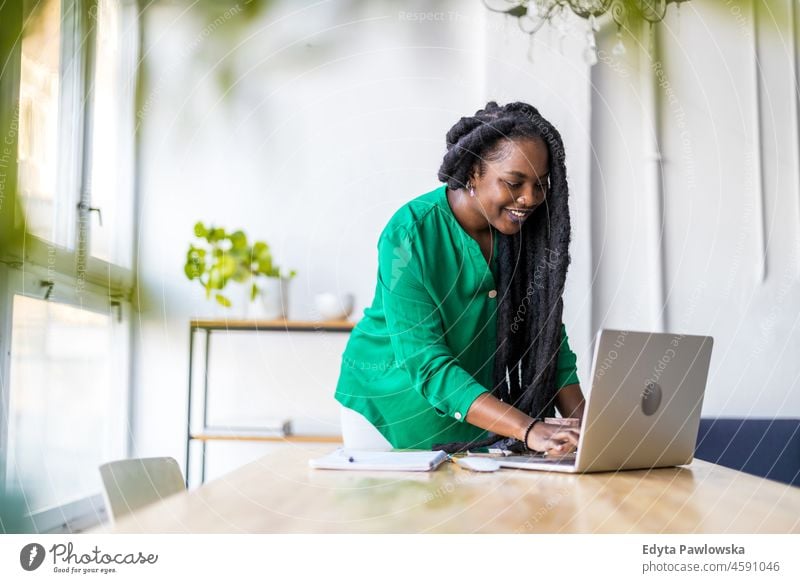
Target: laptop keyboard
x: 568, y: 459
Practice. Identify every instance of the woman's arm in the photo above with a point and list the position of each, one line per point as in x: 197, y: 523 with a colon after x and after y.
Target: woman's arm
x: 570, y: 401
x: 490, y: 413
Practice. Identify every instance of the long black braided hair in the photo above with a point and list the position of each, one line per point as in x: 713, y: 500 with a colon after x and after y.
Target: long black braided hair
x: 531, y: 265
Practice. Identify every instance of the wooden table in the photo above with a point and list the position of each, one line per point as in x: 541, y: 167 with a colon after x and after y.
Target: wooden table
x: 279, y: 493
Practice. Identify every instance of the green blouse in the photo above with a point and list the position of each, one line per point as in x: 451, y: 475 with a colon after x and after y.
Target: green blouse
x: 424, y: 350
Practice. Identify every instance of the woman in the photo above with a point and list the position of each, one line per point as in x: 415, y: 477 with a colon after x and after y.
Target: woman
x: 463, y: 345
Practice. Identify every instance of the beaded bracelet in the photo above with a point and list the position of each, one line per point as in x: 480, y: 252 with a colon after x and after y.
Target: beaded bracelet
x: 528, y: 431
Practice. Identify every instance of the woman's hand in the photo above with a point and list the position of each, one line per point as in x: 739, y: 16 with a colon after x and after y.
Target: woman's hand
x: 488, y: 412
x: 553, y: 439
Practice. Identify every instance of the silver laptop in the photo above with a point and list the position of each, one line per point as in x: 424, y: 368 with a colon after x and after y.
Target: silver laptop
x: 643, y: 410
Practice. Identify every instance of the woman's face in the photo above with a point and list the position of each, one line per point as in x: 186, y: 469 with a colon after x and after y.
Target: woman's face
x: 513, y: 185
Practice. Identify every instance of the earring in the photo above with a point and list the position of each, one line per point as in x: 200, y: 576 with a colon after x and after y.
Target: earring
x: 471, y: 189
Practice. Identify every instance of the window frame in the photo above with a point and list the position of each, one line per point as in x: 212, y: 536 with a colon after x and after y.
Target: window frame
x: 78, y: 278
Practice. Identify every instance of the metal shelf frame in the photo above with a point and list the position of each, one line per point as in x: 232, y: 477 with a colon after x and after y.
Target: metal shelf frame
x: 264, y: 434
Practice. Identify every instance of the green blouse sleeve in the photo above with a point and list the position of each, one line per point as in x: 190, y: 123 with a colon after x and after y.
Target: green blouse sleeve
x: 416, y: 330
x: 567, y: 370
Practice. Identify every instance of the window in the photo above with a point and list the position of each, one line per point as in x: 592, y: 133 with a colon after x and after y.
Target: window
x: 65, y: 289
x: 38, y: 121
x: 65, y: 416
x: 111, y: 183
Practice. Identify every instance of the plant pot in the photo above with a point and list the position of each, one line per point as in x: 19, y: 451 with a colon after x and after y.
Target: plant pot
x: 246, y: 308
x: 275, y: 297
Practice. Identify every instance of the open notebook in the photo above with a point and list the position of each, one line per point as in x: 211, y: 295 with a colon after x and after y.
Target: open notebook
x: 405, y: 461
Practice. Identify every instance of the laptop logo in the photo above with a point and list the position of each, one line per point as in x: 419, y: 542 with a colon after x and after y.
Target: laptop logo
x: 651, y: 398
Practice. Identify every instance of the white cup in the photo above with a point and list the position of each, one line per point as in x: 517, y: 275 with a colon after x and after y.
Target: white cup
x: 334, y: 307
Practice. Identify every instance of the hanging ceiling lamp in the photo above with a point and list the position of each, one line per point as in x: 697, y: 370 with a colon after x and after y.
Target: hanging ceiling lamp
x: 532, y: 15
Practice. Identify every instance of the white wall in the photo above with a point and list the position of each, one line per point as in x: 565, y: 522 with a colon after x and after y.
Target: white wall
x: 724, y: 261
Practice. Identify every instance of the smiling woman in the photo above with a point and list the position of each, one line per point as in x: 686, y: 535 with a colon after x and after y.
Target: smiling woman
x: 468, y: 298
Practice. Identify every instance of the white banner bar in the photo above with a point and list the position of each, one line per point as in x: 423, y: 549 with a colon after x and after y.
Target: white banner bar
x: 387, y: 558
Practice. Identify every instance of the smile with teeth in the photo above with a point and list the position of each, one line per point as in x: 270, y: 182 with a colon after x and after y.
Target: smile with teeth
x: 518, y: 213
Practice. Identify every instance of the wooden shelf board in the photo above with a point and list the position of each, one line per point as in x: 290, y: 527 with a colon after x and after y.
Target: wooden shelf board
x: 271, y: 438
x: 288, y: 325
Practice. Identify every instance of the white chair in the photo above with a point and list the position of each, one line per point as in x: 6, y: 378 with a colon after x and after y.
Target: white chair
x: 359, y: 433
x: 131, y: 484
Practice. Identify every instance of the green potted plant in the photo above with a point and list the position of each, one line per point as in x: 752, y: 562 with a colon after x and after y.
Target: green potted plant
x: 221, y: 257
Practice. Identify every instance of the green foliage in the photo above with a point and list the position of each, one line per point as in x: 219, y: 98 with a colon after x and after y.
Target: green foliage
x: 221, y: 257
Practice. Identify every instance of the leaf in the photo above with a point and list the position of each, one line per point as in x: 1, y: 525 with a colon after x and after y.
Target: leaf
x: 192, y: 270
x: 223, y: 300
x: 195, y: 262
x: 216, y: 235
x: 238, y: 240
x: 240, y: 255
x: 241, y: 274
x: 195, y: 254
x: 265, y: 264
x: 260, y: 248
x: 227, y: 266
x: 215, y: 279
x: 253, y: 292
x: 200, y: 229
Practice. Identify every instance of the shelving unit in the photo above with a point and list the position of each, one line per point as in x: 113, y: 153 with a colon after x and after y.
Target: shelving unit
x: 281, y: 432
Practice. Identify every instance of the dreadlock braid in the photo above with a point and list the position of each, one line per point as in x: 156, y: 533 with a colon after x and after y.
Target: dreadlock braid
x: 532, y: 264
